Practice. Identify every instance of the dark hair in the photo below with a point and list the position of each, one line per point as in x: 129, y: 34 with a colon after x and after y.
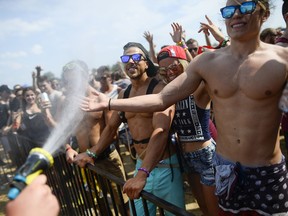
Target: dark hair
x: 267, y: 32
x: 30, y: 88
x: 43, y: 79
x: 191, y: 41
x: 152, y: 69
x: 285, y: 7
x: 5, y: 88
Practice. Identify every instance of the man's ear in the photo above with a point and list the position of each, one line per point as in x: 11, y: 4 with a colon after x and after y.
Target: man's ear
x: 266, y: 15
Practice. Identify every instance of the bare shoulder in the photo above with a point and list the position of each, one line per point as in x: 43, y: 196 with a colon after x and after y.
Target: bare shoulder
x: 281, y: 51
x: 207, y: 60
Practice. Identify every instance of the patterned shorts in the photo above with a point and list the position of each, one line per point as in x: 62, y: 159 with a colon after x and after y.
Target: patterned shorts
x: 260, y: 189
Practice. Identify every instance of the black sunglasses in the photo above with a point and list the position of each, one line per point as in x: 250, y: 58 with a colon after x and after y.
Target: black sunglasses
x: 135, y: 57
x: 193, y: 49
x: 244, y: 8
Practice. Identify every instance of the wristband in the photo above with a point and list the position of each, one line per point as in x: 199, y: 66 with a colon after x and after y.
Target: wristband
x: 109, y: 104
x: 91, y: 154
x: 68, y: 148
x: 180, y: 43
x: 144, y: 170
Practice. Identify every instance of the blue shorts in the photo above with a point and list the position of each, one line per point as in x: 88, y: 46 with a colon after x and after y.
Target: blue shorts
x: 201, y: 162
x: 164, y: 184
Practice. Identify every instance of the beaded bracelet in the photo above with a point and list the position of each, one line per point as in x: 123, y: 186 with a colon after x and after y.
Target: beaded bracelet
x: 91, y: 154
x: 182, y: 44
x: 144, y: 170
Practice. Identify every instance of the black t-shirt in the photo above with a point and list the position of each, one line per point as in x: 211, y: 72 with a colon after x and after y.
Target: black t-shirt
x: 15, y: 104
x: 4, y: 115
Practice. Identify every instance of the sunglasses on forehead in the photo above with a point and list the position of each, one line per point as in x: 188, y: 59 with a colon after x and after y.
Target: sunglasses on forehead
x: 244, y: 8
x: 135, y: 57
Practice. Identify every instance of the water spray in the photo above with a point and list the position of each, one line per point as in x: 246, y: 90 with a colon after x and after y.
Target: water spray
x: 38, y: 160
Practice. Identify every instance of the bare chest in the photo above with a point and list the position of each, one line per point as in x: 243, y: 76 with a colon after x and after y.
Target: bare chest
x: 254, y: 78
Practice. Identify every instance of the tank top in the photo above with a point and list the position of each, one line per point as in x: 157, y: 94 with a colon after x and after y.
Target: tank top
x: 34, y: 128
x: 190, y: 121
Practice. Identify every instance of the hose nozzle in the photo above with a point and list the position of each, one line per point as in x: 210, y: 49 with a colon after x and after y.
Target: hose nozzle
x: 37, y: 161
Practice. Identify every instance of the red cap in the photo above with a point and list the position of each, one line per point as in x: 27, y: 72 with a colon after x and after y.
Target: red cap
x: 171, y: 52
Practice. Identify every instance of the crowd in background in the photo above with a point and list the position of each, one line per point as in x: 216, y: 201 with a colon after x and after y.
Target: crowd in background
x: 33, y: 111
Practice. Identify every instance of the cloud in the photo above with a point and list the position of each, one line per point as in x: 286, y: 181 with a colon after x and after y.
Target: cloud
x: 11, y: 65
x: 37, y: 49
x: 20, y: 27
x: 16, y: 54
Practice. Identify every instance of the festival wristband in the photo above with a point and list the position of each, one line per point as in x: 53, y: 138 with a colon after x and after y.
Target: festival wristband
x: 91, y: 154
x: 144, y: 170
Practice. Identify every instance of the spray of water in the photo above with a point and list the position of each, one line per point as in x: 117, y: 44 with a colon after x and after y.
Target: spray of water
x: 71, y: 114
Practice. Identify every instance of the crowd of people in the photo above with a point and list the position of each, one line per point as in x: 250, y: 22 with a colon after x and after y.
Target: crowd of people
x: 206, y: 114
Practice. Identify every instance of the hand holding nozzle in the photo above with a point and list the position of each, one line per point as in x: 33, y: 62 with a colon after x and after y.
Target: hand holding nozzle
x: 35, y: 199
x: 37, y: 161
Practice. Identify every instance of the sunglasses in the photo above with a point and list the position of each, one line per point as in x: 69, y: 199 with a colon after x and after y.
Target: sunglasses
x: 135, y: 57
x: 193, y: 49
x: 173, y: 67
x: 244, y: 8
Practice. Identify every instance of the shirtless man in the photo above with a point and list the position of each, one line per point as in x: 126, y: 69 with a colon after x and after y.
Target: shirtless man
x: 89, y: 130
x: 157, y: 166
x: 245, y: 81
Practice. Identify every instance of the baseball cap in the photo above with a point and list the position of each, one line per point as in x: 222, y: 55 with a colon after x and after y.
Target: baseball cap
x: 171, y: 52
x: 152, y: 69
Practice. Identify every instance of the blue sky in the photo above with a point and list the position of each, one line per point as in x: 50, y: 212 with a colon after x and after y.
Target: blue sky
x: 51, y: 33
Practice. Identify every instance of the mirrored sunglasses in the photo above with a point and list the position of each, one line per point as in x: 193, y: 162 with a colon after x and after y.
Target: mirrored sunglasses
x: 173, y: 67
x: 245, y: 8
x: 135, y: 57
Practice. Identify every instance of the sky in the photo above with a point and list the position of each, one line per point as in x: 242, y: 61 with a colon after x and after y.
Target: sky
x: 52, y: 33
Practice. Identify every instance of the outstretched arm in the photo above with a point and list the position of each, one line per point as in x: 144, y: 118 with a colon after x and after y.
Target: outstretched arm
x: 179, y: 88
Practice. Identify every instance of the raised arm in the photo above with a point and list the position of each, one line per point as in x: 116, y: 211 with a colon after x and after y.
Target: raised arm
x: 149, y: 37
x: 210, y: 27
x: 177, y: 37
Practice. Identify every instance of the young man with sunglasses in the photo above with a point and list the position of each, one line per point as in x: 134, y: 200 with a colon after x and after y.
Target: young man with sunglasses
x: 157, y: 168
x: 245, y: 81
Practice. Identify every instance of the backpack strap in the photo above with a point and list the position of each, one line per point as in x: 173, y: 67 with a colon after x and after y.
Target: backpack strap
x: 127, y: 91
x: 151, y: 86
x: 150, y: 89
x: 126, y: 95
